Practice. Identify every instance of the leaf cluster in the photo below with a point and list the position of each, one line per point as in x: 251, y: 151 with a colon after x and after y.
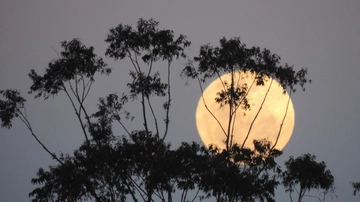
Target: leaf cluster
x: 146, y: 85
x: 306, y: 173
x: 115, y: 171
x: 233, y: 56
x: 242, y: 174
x: 10, y: 106
x: 157, y: 44
x: 233, y: 95
x: 76, y: 62
x: 143, y: 164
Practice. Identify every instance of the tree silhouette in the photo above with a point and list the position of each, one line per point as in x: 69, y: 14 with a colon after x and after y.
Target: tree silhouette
x: 257, y: 169
x: 304, y: 173
x: 140, y: 165
x: 233, y: 57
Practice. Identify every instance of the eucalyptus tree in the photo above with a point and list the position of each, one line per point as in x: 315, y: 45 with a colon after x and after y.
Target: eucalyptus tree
x: 256, y: 168
x: 233, y: 57
x: 106, y: 167
x: 246, y: 176
x: 144, y: 47
x: 140, y: 165
x: 303, y: 174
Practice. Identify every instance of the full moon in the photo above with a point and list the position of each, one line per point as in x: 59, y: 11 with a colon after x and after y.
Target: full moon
x: 271, y: 115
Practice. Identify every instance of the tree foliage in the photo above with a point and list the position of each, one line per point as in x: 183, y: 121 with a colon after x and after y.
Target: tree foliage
x: 10, y: 107
x: 234, y: 57
x: 304, y: 173
x: 140, y: 165
x: 242, y: 174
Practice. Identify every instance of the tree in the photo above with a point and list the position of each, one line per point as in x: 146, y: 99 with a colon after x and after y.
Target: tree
x: 305, y: 173
x: 140, y: 165
x: 240, y: 164
x: 233, y: 57
x: 248, y: 175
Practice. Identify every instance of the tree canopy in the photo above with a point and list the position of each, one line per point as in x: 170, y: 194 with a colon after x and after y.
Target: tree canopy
x: 140, y: 165
x: 307, y: 174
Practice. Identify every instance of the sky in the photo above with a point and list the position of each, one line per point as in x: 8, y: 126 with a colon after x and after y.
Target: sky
x: 321, y: 35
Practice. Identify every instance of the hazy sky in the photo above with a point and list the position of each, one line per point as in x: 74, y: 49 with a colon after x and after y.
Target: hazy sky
x: 322, y: 35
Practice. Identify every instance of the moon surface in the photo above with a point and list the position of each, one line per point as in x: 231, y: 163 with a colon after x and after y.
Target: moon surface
x: 276, y: 108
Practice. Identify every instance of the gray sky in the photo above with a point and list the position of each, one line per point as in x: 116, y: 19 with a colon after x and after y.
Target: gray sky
x: 322, y: 35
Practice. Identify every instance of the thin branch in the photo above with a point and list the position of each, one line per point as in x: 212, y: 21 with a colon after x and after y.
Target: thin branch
x: 232, y: 130
x: 222, y: 82
x: 182, y: 196
x: 80, y: 103
x: 296, y: 190
x: 138, y: 71
x: 168, y: 103
x: 88, y: 86
x: 76, y: 86
x: 207, y: 108
x: 123, y: 127
x: 131, y: 191
x: 236, y: 108
x: 78, y: 115
x: 154, y: 116
x: 138, y: 188
x: 137, y: 62
x: 195, y: 195
x: 144, y: 113
x: 301, y: 194
x: 162, y: 197
x: 252, y: 122
x: 56, y: 51
x: 227, y: 135
x: 71, y: 88
x: 24, y: 112
x: 133, y: 62
x: 170, y: 195
x: 150, y: 68
x: 246, y: 94
x: 87, y: 117
x: 28, y: 125
x: 282, y: 122
x: 83, y: 88
x: 185, y: 194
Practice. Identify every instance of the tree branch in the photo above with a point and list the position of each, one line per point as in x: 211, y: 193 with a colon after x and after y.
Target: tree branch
x: 77, y: 115
x: 282, y: 122
x: 168, y: 103
x: 28, y: 125
x: 154, y: 116
x: 252, y: 122
x: 207, y: 108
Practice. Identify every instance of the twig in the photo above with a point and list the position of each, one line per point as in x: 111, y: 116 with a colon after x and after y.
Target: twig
x: 28, y: 125
x: 252, y: 122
